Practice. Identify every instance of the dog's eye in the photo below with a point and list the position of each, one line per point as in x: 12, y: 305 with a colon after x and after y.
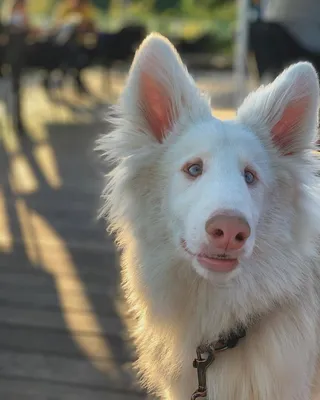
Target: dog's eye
x: 249, y: 177
x: 194, y: 170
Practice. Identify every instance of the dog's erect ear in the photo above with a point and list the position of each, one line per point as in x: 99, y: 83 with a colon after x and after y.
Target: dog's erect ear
x: 159, y: 88
x: 288, y: 107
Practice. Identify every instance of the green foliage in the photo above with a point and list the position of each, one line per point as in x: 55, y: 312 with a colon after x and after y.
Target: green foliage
x: 190, y: 8
x: 175, y: 18
x: 165, y: 5
x: 102, y: 4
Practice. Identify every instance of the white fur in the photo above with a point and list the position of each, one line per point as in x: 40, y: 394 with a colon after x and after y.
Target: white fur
x: 151, y: 205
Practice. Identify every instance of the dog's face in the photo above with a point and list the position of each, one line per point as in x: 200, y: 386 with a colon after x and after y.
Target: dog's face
x: 215, y: 178
x: 219, y: 174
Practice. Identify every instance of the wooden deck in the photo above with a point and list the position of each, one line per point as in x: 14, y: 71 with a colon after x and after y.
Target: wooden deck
x: 62, y: 335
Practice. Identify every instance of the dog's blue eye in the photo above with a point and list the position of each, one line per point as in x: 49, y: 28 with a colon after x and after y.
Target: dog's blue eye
x: 194, y: 170
x: 249, y: 177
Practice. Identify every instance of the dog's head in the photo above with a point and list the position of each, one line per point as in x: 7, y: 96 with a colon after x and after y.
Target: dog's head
x: 215, y: 185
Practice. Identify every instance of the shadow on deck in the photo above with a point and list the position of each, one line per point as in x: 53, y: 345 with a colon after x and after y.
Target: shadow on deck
x: 61, y: 316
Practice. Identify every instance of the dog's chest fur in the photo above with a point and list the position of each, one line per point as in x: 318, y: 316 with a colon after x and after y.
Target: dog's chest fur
x: 269, y: 363
x: 263, y: 366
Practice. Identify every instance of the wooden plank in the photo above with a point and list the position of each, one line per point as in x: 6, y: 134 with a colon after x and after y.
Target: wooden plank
x: 101, y: 374
x: 19, y: 396
x: 19, y: 317
x: 70, y: 194
x: 104, y: 271
x: 70, y: 243
x: 73, y: 235
x: 35, y: 300
x: 99, y: 260
x: 26, y: 389
x: 63, y: 221
x: 45, y: 281
x: 65, y: 197
x: 76, y: 187
x: 59, y: 215
x: 68, y: 230
x: 48, y: 342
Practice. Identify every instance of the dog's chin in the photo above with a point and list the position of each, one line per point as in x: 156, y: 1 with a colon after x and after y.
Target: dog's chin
x: 218, y: 269
x: 215, y: 277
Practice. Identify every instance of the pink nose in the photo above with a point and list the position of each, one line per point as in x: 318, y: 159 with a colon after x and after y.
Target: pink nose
x: 228, y: 232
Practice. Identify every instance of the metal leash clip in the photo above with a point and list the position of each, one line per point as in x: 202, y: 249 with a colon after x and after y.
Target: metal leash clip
x: 201, y: 364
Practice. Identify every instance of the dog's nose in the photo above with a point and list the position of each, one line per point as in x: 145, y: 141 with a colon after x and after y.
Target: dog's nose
x: 228, y: 232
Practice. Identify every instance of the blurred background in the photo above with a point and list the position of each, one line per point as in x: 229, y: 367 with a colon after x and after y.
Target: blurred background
x: 62, y: 64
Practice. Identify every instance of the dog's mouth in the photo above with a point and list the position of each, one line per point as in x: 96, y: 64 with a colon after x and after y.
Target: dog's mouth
x: 217, y: 256
x: 222, y: 262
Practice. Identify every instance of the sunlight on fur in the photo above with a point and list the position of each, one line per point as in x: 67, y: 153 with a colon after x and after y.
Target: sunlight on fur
x: 218, y: 223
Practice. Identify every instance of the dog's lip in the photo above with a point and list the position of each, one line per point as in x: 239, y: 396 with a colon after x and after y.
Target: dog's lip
x: 213, y: 262
x: 218, y: 264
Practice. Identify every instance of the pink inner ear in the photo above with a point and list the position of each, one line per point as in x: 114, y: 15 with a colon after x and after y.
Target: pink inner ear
x: 284, y: 131
x: 157, y: 107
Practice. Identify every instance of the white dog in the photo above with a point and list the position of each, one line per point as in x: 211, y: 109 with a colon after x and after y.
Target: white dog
x: 219, y: 223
